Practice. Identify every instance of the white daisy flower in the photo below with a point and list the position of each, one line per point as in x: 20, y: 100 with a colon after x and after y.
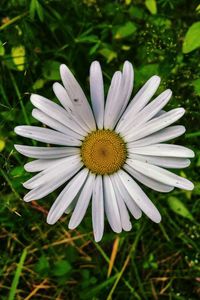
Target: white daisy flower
x: 104, y: 150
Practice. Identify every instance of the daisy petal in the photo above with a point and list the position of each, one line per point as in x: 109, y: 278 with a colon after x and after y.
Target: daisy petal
x: 97, y: 92
x: 161, y: 175
x: 46, y: 135
x: 46, y: 152
x: 82, y: 203
x: 111, y: 207
x: 63, y: 97
x: 124, y: 215
x: 165, y: 162
x: 52, y: 123
x: 58, y: 113
x: 149, y: 111
x: 45, y: 189
x: 149, y: 182
x: 163, y: 135
x: 128, y: 200
x: 112, y: 104
x: 48, y: 174
x: 98, y: 209
x: 40, y: 164
x: 140, y: 197
x: 77, y: 97
x: 163, y: 150
x: 156, y: 124
x: 66, y: 197
x: 127, y: 85
x: 139, y: 101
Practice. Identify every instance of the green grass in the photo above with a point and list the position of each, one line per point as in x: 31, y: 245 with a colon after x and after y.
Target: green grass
x: 39, y: 261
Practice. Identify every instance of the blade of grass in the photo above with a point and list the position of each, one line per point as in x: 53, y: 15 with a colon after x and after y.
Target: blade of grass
x: 19, y: 98
x: 15, y: 281
x: 131, y: 254
x: 13, y: 20
x: 113, y: 256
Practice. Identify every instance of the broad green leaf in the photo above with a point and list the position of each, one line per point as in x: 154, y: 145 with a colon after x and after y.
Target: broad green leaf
x: 125, y: 30
x: 38, y: 84
x: 108, y: 54
x: 50, y: 70
x: 18, y: 56
x: 179, y: 208
x: 2, y: 145
x: 192, y: 38
x: 61, y: 268
x: 145, y: 72
x: 196, y: 85
x: 2, y: 49
x: 151, y: 6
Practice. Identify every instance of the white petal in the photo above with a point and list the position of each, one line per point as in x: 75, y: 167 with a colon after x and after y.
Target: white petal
x: 139, y: 101
x: 40, y: 164
x: 149, y: 182
x: 128, y: 200
x: 140, y: 197
x: 124, y: 215
x: 148, y: 112
x: 97, y: 92
x: 66, y: 197
x: 58, y: 113
x: 161, y: 175
x: 55, y: 171
x: 112, y: 106
x: 77, y: 97
x: 111, y: 207
x: 155, y: 124
x: 127, y: 84
x: 45, y: 189
x: 63, y: 97
x: 82, y: 203
x: 46, y: 135
x: 46, y: 152
x: 163, y: 150
x: 163, y: 135
x: 165, y: 162
x: 98, y: 209
x: 52, y: 123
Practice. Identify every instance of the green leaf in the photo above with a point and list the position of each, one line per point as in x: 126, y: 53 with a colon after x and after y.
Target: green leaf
x: 18, y: 56
x: 179, y: 208
x: 126, y: 30
x: 108, y: 54
x: 196, y: 85
x: 40, y: 11
x: 61, y: 268
x: 2, y: 145
x: 38, y: 84
x: 35, y: 6
x: 32, y: 9
x: 192, y: 40
x: 51, y: 70
x: 151, y: 6
x: 42, y: 266
x: 87, y: 39
x: 2, y: 49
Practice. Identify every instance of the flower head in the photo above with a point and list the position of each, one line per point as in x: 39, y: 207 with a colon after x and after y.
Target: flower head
x: 104, y: 150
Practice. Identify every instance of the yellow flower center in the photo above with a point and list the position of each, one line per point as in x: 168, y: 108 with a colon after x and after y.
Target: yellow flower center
x: 103, y: 152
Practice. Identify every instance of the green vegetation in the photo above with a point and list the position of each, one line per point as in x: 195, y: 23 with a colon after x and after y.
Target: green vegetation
x: 153, y: 261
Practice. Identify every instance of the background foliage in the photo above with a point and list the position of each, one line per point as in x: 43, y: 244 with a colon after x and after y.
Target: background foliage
x: 153, y: 261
